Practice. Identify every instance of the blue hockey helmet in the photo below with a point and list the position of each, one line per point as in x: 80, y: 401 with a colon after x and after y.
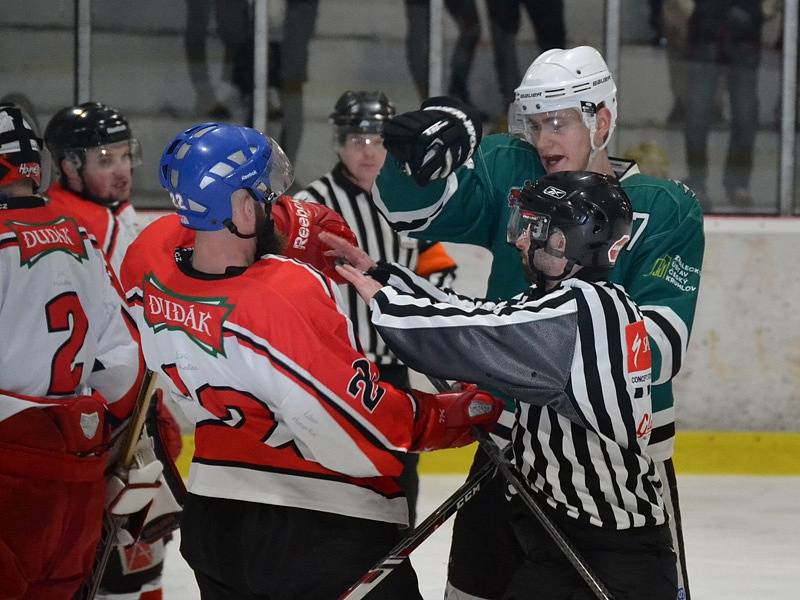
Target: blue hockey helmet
x: 205, y: 164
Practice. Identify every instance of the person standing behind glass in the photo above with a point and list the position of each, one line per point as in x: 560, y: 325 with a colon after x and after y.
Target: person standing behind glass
x: 547, y: 18
x: 724, y: 37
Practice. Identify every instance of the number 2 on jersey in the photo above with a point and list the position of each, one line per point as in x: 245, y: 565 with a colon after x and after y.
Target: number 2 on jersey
x: 64, y: 376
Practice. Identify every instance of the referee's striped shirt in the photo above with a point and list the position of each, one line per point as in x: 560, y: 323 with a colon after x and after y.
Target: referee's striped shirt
x: 576, y: 361
x: 377, y: 238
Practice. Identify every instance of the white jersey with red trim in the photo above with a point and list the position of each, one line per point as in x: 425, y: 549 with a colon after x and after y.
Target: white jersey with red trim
x: 61, y: 317
x: 287, y: 408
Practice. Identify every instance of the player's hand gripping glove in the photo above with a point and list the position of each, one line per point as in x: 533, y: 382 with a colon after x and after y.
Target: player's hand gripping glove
x: 432, y: 142
x: 301, y: 223
x: 445, y: 420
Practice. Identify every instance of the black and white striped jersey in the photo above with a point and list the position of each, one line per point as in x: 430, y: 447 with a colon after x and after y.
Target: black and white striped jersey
x: 377, y: 238
x: 577, y: 362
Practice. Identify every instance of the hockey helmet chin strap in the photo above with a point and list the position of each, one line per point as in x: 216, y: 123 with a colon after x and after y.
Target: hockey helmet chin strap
x: 542, y: 278
x: 589, y: 116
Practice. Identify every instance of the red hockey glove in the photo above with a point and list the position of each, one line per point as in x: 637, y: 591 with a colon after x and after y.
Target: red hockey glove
x: 302, y: 222
x: 445, y: 419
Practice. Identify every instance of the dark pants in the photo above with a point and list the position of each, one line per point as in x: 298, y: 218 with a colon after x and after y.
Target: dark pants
x: 465, y: 14
x: 547, y: 18
x: 397, y: 375
x: 704, y: 71
x: 235, y: 29
x: 526, y: 563
x: 250, y: 551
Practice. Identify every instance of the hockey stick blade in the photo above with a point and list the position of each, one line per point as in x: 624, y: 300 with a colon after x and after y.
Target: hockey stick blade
x: 422, y: 532
x: 512, y: 475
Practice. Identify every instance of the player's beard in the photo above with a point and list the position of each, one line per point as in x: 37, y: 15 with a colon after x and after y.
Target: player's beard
x: 269, y: 240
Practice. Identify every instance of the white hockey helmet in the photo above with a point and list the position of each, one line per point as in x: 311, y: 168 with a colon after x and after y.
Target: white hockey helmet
x: 561, y: 79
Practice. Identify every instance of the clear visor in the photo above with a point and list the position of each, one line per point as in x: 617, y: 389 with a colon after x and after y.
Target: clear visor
x: 525, y: 221
x: 109, y: 156
x: 552, y: 123
x: 357, y: 141
x: 280, y: 177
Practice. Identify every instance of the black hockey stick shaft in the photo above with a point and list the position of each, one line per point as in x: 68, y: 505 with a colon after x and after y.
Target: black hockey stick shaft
x: 512, y: 475
x: 395, y: 557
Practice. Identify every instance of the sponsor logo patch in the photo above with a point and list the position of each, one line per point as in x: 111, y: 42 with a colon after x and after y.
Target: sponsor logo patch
x: 675, y: 271
x: 36, y: 240
x: 639, y: 358
x: 199, y: 318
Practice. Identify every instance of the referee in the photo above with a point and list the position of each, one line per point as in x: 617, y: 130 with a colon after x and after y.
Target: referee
x: 573, y: 352
x: 358, y: 119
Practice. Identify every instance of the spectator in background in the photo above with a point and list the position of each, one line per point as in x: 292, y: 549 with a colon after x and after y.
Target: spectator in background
x: 298, y: 28
x: 465, y: 14
x: 358, y: 119
x: 547, y: 18
x: 235, y: 28
x: 724, y: 38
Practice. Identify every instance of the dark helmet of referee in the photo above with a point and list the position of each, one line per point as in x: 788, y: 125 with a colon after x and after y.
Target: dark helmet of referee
x: 360, y: 112
x: 579, y: 216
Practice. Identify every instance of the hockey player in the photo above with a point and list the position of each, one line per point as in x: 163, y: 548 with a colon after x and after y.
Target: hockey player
x: 567, y: 109
x: 296, y: 441
x: 572, y: 351
x: 358, y: 119
x: 95, y: 152
x: 68, y: 371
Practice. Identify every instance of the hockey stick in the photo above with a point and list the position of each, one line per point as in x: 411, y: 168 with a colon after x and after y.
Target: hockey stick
x: 112, y: 525
x: 422, y: 532
x: 512, y: 475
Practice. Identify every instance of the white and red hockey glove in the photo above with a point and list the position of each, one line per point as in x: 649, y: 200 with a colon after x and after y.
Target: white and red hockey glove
x: 445, y: 420
x: 301, y: 223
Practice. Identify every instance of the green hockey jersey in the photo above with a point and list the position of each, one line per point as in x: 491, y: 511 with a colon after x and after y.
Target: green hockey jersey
x: 659, y: 267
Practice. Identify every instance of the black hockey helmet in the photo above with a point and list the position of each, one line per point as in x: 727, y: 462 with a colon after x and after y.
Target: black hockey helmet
x: 361, y: 112
x: 74, y: 129
x: 20, y: 147
x: 590, y: 209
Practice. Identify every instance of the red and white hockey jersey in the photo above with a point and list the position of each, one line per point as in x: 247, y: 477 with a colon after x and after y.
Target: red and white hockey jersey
x: 114, y: 228
x: 61, y: 316
x: 287, y: 409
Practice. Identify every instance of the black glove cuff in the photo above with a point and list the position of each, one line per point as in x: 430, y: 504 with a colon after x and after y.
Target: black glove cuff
x: 380, y: 272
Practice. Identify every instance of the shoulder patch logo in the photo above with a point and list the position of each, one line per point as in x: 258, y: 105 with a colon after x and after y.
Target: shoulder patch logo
x: 36, y: 240
x: 637, y: 345
x: 199, y: 318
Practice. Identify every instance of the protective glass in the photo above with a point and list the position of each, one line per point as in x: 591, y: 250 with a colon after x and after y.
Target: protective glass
x: 358, y: 141
x: 522, y: 220
x: 108, y: 157
x: 557, y: 123
x: 281, y: 174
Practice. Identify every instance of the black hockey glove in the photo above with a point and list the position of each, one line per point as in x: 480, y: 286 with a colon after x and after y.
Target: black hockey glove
x: 432, y: 142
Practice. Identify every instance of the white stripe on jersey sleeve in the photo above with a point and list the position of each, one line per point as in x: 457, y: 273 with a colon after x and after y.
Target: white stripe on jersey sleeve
x: 427, y: 213
x: 661, y: 339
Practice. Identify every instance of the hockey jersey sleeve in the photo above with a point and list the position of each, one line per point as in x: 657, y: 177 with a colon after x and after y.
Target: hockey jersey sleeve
x: 467, y: 206
x: 522, y: 347
x: 665, y: 256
